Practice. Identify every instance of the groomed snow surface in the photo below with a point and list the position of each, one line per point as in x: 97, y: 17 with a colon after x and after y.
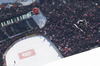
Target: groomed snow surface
x: 33, y: 51
x: 88, y: 58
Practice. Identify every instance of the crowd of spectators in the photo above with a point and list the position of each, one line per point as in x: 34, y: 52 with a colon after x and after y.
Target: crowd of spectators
x: 12, y: 12
x: 62, y: 27
x: 63, y: 15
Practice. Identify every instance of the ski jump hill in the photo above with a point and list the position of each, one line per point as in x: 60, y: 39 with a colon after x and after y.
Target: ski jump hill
x: 36, y: 50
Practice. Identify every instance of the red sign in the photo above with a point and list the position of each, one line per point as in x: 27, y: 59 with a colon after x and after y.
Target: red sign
x: 26, y: 54
x: 35, y: 10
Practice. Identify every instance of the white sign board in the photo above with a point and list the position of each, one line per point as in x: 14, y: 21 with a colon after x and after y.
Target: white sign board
x: 40, y: 19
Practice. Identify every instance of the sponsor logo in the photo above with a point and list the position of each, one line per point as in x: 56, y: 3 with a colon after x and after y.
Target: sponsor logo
x: 26, y: 54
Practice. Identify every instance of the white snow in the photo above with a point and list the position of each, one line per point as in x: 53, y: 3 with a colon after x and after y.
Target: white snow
x: 88, y: 58
x: 25, y: 2
x: 44, y: 52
